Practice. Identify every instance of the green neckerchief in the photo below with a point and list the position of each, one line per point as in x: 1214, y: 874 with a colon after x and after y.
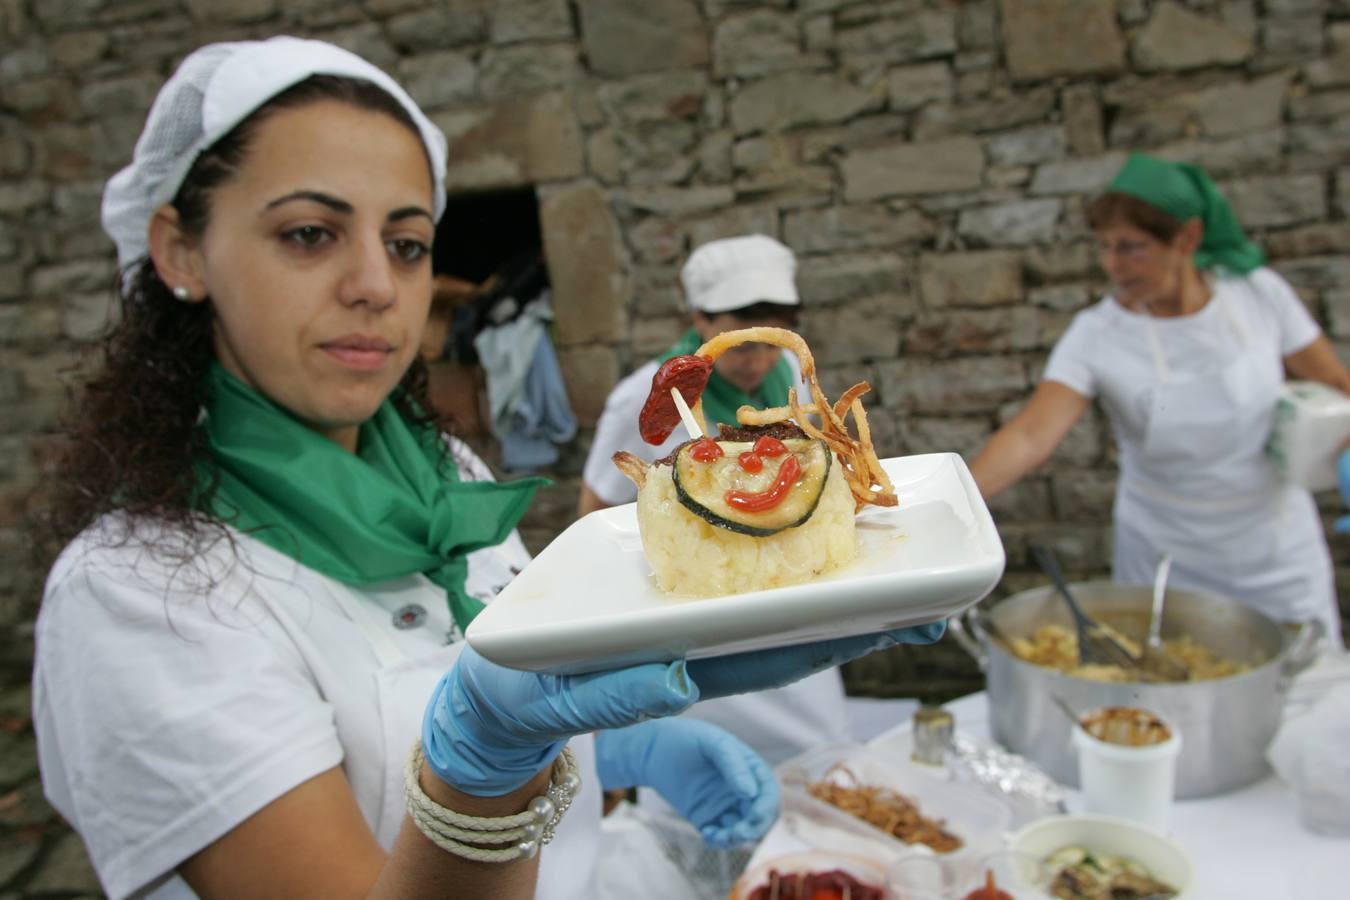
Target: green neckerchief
x: 1186, y: 192
x: 721, y: 398
x: 393, y: 508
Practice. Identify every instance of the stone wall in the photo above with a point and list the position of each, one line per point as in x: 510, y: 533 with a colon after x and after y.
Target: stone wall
x: 929, y: 161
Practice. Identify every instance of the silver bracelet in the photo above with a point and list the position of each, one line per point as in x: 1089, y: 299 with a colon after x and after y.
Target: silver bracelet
x: 521, y: 835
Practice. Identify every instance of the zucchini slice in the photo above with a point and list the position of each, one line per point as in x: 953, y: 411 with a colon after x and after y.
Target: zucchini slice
x: 702, y: 487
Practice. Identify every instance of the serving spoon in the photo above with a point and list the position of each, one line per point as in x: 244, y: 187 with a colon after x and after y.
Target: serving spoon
x: 1068, y: 711
x: 1153, y: 658
x: 1096, y: 646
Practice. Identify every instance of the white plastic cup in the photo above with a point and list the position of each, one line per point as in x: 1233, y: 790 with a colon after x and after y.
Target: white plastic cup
x: 918, y: 876
x: 1131, y: 782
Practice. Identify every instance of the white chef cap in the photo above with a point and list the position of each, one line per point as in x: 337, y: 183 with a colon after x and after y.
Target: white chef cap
x: 214, y: 89
x: 733, y: 273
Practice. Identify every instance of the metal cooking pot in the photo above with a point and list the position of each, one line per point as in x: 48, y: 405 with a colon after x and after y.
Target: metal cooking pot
x: 1225, y: 723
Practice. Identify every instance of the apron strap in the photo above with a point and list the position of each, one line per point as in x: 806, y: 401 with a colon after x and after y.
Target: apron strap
x: 1159, y: 358
x: 1268, y: 499
x: 1155, y: 343
x: 1237, y: 326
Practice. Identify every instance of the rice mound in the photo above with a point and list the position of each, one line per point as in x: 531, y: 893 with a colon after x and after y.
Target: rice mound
x: 691, y: 557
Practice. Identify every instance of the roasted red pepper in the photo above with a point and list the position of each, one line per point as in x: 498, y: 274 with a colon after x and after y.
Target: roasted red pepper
x: 833, y: 885
x: 689, y: 375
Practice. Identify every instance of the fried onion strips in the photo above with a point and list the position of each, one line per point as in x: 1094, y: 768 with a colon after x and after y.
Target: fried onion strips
x: 857, y: 456
x: 883, y: 808
x: 632, y: 466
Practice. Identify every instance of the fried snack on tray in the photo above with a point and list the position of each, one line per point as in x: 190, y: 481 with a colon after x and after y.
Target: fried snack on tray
x: 766, y: 504
x: 711, y: 553
x: 866, y: 479
x: 883, y: 808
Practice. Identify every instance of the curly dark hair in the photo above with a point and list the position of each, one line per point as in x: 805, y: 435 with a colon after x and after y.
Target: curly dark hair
x: 134, y: 443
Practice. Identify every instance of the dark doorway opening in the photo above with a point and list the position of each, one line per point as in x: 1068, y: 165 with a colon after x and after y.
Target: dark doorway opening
x: 482, y: 233
x: 488, y: 261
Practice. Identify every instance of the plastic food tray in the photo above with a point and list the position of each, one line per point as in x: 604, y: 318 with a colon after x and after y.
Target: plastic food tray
x: 977, y: 818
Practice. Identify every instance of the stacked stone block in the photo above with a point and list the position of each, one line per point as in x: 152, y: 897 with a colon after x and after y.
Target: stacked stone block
x: 929, y: 161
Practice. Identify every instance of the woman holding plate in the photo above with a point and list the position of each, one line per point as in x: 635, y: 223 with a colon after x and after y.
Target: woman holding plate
x: 1187, y: 354
x: 271, y: 548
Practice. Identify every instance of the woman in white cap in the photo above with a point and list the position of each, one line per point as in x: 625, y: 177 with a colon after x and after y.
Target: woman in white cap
x: 737, y: 282
x: 271, y: 550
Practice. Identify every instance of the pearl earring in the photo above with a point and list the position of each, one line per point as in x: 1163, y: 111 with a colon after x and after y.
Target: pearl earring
x: 182, y: 293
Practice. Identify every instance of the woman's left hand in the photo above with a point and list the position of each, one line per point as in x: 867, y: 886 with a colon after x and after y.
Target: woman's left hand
x: 709, y: 776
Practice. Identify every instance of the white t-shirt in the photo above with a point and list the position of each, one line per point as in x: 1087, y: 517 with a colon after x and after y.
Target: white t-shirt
x: 166, y: 716
x: 1107, y: 352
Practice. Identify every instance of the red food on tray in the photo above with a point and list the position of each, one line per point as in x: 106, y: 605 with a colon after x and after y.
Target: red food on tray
x: 836, y: 884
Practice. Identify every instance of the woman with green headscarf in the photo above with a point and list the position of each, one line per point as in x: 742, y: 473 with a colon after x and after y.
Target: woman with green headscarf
x: 1187, y: 355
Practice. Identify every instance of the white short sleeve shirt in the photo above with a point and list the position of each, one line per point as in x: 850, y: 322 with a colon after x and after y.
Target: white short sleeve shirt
x: 1106, y: 351
x: 171, y: 702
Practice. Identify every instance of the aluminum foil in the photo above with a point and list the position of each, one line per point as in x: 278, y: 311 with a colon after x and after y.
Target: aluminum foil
x: 1029, y: 792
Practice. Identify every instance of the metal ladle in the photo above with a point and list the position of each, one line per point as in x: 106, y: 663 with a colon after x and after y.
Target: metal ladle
x: 1153, y: 658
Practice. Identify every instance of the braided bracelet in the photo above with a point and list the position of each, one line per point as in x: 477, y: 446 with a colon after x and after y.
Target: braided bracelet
x: 465, y: 836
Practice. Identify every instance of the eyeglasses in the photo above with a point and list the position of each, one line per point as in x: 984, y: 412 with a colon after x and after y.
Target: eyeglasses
x: 1126, y: 249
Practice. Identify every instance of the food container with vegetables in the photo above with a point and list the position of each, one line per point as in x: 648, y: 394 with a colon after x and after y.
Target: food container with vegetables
x: 850, y: 793
x: 1103, y: 858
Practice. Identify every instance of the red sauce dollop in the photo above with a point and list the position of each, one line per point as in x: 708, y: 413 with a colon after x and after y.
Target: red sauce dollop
x: 745, y: 501
x: 706, y: 450
x: 770, y: 446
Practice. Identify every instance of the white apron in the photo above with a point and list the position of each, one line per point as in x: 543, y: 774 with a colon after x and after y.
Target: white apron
x: 1257, y: 540
x: 404, y: 684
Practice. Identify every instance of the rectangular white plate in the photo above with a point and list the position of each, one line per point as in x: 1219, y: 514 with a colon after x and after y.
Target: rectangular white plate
x: 589, y: 602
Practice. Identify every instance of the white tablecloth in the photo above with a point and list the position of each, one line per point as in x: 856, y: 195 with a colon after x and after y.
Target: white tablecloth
x: 1246, y: 844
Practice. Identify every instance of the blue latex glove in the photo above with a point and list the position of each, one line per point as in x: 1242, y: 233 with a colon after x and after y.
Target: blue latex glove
x: 760, y: 670
x: 714, y: 780
x: 489, y: 729
x: 1343, y: 474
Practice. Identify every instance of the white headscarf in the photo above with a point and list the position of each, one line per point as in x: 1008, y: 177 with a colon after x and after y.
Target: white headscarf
x: 214, y: 89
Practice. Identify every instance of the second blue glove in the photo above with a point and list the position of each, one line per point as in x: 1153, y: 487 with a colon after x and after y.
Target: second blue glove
x: 710, y: 777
